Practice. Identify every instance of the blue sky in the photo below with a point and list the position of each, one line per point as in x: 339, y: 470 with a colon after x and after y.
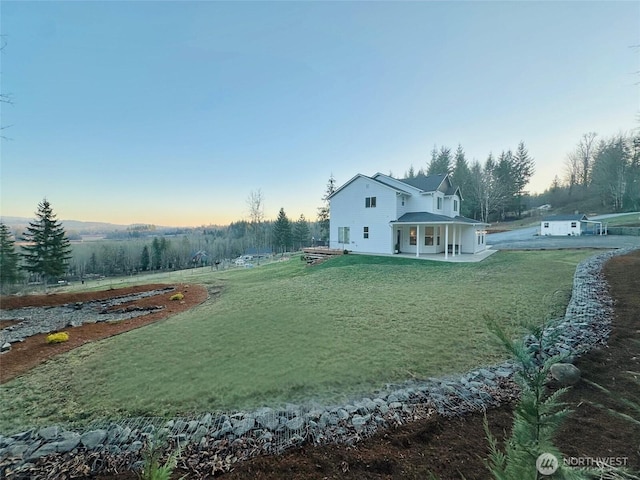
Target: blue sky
x: 173, y: 112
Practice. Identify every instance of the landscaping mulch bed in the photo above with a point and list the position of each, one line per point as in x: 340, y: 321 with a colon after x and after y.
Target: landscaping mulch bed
x: 35, y: 350
x: 453, y: 447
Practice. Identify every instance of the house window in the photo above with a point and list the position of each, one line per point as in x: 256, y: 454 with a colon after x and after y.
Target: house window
x: 439, y: 203
x: 366, y: 232
x: 546, y: 224
x: 455, y: 205
x: 428, y: 236
x: 413, y: 236
x: 573, y: 225
x: 370, y: 202
x: 403, y: 201
x: 343, y: 234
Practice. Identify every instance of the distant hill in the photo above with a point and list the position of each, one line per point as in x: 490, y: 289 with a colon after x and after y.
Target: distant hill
x: 69, y: 225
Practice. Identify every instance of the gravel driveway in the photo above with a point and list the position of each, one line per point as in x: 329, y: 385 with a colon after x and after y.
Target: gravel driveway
x: 527, y: 238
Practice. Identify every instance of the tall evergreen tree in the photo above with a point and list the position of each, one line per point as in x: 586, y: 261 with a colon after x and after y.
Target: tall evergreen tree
x: 411, y: 173
x: 324, y: 214
x: 462, y: 178
x: 9, y: 274
x: 301, y: 232
x: 523, y: 169
x: 145, y: 259
x: 281, y: 232
x: 440, y: 161
x: 156, y: 254
x: 48, y: 249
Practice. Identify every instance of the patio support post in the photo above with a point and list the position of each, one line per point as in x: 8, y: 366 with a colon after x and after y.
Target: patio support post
x: 446, y: 241
x: 417, y: 240
x: 453, y: 236
x: 460, y: 241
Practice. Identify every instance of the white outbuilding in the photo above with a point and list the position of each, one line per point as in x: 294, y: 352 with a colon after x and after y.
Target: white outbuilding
x: 572, y: 225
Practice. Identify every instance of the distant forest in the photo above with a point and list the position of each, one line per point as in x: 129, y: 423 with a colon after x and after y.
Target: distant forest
x: 600, y: 175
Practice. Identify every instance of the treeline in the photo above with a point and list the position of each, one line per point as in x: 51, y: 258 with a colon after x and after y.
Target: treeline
x: 198, y: 247
x: 598, y: 174
x: 45, y: 253
x: 492, y: 190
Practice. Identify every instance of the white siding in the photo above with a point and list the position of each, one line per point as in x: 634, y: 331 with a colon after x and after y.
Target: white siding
x: 470, y: 238
x: 448, y: 206
x: 348, y: 210
x: 560, y: 228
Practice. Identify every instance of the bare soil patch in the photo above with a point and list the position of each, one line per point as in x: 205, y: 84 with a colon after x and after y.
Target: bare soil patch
x: 35, y: 350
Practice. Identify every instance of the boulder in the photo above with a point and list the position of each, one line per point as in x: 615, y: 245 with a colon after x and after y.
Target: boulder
x: 243, y: 426
x: 565, y: 373
x: 295, y: 424
x: 93, y: 438
x: 49, y: 433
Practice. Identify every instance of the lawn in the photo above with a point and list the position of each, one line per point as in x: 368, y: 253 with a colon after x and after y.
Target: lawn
x: 629, y: 220
x: 285, y: 332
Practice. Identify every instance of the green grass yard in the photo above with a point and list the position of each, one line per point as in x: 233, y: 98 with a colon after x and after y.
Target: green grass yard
x: 285, y: 332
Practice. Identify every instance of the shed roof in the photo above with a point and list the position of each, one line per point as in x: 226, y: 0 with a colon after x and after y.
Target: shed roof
x: 565, y: 218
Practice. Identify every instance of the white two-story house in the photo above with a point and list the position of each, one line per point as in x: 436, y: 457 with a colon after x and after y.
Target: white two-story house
x: 419, y: 215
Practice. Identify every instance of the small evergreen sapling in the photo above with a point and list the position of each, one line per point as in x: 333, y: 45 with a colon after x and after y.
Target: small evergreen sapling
x: 536, y: 418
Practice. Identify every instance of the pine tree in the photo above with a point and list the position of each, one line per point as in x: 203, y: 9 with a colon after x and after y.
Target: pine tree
x: 301, y: 233
x: 9, y: 274
x: 323, y: 211
x: 48, y: 249
x: 523, y: 169
x: 462, y: 178
x: 440, y: 161
x: 281, y: 232
x: 145, y: 259
x: 537, y: 416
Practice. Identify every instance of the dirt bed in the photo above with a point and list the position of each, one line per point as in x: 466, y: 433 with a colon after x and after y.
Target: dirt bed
x: 35, y: 350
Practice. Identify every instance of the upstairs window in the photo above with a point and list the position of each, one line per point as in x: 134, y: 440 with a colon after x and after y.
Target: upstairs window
x: 455, y: 205
x: 439, y: 203
x: 370, y: 202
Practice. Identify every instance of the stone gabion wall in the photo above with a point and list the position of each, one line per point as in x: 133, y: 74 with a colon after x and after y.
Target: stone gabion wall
x: 237, y: 435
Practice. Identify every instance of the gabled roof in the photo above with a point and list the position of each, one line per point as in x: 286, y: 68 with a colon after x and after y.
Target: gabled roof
x: 426, y: 183
x: 431, y: 183
x: 565, y: 218
x: 427, y: 217
x: 370, y: 179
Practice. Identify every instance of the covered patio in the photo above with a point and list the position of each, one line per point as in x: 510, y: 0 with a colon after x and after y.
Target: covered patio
x: 439, y: 257
x: 421, y: 233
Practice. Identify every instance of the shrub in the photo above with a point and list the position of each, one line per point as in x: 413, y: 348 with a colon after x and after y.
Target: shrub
x: 152, y: 468
x: 57, y: 337
x: 177, y: 296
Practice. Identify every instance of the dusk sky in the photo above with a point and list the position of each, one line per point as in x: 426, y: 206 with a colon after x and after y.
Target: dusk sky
x: 171, y: 113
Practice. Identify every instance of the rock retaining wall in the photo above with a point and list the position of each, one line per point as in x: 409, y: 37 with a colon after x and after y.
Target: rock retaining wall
x: 231, y: 436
